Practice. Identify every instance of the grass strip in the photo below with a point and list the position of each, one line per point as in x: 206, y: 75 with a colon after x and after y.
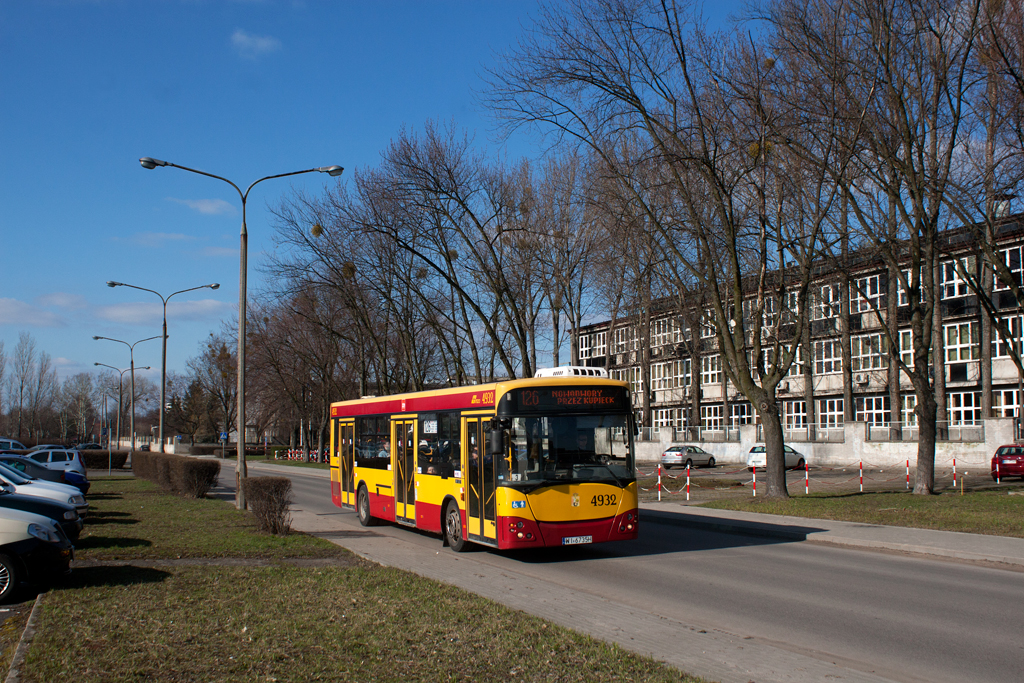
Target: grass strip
x: 996, y: 513
x: 133, y: 519
x: 366, y: 623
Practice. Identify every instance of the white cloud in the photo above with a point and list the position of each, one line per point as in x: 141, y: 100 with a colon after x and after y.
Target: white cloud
x: 71, y: 302
x: 145, y: 313
x: 220, y: 252
x: 132, y: 313
x: 14, y: 312
x: 158, y: 239
x: 209, y: 207
x: 249, y: 46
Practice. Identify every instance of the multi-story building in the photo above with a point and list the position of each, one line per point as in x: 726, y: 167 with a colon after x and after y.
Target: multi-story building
x: 675, y: 371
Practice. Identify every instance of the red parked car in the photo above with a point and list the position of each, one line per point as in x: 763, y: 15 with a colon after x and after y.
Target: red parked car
x: 1010, y: 460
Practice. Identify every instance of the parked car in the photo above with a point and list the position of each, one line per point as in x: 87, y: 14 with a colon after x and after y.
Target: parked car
x: 1009, y: 460
x: 30, y: 467
x: 758, y: 458
x: 24, y: 485
x: 686, y: 455
x: 7, y: 444
x: 46, y: 446
x: 60, y: 459
x: 89, y: 447
x: 33, y: 548
x: 63, y: 514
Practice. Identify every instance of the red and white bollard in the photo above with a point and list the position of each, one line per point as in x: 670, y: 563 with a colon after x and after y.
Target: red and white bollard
x: 862, y: 476
x: 687, y: 482
x: 659, y: 483
x: 908, y: 474
x: 755, y: 482
x: 807, y: 481
x: 997, y: 471
x: 954, y: 473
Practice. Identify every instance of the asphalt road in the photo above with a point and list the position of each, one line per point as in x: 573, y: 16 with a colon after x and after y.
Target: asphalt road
x: 729, y: 607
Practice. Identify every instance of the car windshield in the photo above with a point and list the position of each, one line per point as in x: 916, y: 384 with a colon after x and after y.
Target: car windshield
x: 568, y: 448
x: 13, y: 474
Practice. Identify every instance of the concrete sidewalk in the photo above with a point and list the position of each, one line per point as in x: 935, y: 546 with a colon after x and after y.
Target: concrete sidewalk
x: 948, y: 544
x: 954, y: 545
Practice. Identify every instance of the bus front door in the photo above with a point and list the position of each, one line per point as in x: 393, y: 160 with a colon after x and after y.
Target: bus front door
x: 479, y: 483
x: 346, y: 447
x: 404, y: 438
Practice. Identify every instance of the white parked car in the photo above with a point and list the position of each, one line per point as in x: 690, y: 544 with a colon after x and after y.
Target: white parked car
x: 684, y: 455
x: 32, y: 548
x: 7, y: 444
x: 758, y: 458
x: 62, y: 459
x: 16, y: 482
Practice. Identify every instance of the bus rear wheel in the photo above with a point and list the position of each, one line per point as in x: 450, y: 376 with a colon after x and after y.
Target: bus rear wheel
x: 453, y: 527
x: 363, y: 507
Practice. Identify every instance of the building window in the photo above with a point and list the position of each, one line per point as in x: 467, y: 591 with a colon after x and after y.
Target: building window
x: 826, y: 303
x: 951, y: 277
x: 668, y: 417
x: 908, y: 403
x: 962, y: 341
x: 742, y: 413
x: 873, y: 409
x: 867, y: 294
x: 964, y: 407
x: 711, y: 369
x: 1004, y: 403
x: 711, y: 416
x: 830, y: 412
x: 828, y: 357
x: 662, y: 332
x: 907, y: 347
x: 584, y: 346
x: 600, y: 344
x: 869, y: 352
x: 794, y: 415
x: 1000, y: 347
x: 1015, y: 264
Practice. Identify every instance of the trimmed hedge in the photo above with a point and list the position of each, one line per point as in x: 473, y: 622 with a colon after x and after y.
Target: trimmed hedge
x: 99, y: 460
x: 190, y: 477
x: 269, y: 498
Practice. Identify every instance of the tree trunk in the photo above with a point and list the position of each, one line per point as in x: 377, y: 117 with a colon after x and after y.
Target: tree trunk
x: 774, y: 448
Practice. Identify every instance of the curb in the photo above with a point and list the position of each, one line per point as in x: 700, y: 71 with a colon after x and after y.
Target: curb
x: 14, y: 675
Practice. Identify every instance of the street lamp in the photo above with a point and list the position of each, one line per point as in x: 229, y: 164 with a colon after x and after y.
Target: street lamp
x: 131, y: 352
x: 334, y: 171
x: 163, y: 358
x: 120, y: 393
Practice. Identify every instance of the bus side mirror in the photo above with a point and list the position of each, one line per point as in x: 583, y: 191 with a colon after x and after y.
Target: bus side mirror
x: 494, y: 445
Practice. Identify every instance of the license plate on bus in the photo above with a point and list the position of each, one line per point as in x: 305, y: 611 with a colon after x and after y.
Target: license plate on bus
x: 577, y: 540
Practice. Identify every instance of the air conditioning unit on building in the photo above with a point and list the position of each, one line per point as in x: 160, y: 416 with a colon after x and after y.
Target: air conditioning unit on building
x: 862, y: 378
x: 655, y: 352
x: 783, y: 386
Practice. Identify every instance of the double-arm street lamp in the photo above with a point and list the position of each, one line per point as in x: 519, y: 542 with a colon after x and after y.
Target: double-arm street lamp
x: 334, y: 171
x: 131, y: 352
x: 163, y: 357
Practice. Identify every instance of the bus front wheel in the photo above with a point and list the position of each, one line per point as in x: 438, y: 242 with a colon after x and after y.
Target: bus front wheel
x: 453, y: 527
x: 363, y: 507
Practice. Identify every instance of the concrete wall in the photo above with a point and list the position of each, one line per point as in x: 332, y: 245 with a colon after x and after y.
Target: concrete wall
x: 855, y: 448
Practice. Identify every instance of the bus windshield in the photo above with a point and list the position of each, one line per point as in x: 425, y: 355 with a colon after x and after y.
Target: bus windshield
x: 582, y: 448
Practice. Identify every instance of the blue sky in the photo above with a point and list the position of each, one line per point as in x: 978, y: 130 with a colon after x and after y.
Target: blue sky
x: 242, y: 89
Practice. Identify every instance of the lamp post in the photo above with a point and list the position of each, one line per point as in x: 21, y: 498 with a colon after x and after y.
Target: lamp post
x: 120, y: 393
x: 163, y: 357
x: 334, y: 171
x: 131, y: 352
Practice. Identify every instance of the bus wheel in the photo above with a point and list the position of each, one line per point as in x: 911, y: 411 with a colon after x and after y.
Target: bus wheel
x: 453, y: 527
x: 363, y: 507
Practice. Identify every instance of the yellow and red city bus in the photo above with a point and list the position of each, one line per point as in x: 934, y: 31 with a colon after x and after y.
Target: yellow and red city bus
x: 522, y: 463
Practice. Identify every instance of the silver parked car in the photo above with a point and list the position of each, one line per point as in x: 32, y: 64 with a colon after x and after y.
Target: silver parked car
x: 758, y: 458
x: 63, y: 459
x: 686, y: 455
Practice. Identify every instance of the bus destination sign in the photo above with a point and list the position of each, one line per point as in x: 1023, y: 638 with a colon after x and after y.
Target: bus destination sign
x: 573, y: 399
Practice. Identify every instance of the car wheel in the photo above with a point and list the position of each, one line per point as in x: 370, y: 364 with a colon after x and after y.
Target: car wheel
x: 689, y: 463
x: 453, y: 527
x: 363, y: 508
x: 8, y: 577
x: 711, y: 462
x: 800, y: 464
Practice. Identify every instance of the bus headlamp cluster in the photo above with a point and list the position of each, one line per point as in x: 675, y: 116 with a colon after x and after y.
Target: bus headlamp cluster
x: 629, y: 524
x: 517, y: 529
